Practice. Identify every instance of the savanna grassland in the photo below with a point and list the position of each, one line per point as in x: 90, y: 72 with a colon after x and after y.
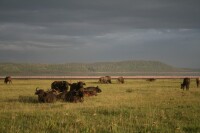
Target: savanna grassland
x: 136, y: 106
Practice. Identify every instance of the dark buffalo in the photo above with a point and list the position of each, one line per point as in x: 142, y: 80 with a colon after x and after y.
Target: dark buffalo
x: 60, y: 86
x: 120, y: 80
x: 91, y: 91
x: 76, y: 92
x: 61, y: 96
x: 185, y: 84
x: 45, y: 97
x: 151, y: 79
x: 77, y: 86
x: 105, y: 80
x: 7, y: 80
x: 197, y: 82
x: 75, y: 96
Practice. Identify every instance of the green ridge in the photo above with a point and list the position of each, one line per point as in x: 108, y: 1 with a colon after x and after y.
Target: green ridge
x: 86, y: 68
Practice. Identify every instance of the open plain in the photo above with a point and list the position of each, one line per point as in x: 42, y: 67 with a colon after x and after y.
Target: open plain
x: 136, y: 106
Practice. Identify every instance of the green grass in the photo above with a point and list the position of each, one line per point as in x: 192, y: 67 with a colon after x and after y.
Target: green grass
x: 136, y: 106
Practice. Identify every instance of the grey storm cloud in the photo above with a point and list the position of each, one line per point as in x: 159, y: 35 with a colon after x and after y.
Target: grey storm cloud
x: 133, y: 13
x: 92, y: 30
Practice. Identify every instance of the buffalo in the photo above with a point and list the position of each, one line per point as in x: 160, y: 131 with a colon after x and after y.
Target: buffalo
x: 45, y: 97
x: 77, y: 86
x: 105, y: 80
x: 62, y: 96
x: 91, y: 91
x: 102, y: 79
x: 185, y: 84
x: 76, y: 92
x: 120, y: 80
x: 75, y: 96
x: 197, y: 82
x: 151, y: 79
x: 60, y: 86
x: 59, y: 95
x: 7, y: 80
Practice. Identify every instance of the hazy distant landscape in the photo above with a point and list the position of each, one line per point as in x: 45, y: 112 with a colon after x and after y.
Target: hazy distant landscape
x: 126, y: 68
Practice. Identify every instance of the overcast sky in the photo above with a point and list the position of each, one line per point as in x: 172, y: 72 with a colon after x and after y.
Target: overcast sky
x: 62, y: 31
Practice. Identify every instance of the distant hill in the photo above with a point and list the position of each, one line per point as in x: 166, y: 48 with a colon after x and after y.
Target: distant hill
x: 99, y: 68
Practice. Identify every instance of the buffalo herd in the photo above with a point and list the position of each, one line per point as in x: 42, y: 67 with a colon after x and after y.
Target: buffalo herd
x: 71, y: 92
x: 75, y: 92
x: 65, y: 91
x: 107, y: 80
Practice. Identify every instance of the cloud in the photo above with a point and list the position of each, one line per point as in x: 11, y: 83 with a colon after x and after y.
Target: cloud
x: 126, y: 13
x: 93, y: 30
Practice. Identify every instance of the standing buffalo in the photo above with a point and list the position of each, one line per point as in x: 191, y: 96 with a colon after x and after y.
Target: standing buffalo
x: 102, y: 79
x: 91, y: 91
x: 185, y: 84
x: 45, y: 97
x: 120, y: 80
x: 105, y: 80
x: 60, y: 86
x: 8, y: 79
x: 197, y: 82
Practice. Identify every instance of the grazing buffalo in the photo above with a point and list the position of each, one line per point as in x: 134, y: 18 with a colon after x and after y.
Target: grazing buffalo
x: 91, y: 91
x: 185, y: 84
x: 197, y: 82
x: 7, y: 80
x: 120, y: 80
x: 45, y: 97
x: 151, y: 79
x: 105, y: 80
x: 102, y: 79
x: 60, y: 86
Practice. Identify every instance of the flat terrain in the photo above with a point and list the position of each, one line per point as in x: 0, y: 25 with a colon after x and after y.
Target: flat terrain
x: 136, y: 106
